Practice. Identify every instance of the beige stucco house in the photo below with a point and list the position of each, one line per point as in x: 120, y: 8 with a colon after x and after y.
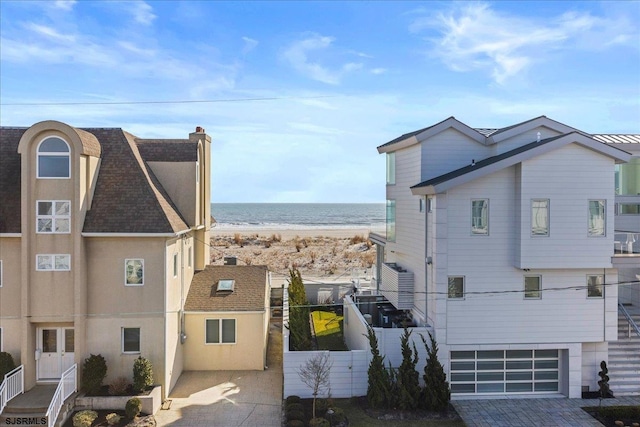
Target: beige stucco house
x: 101, y: 233
x: 227, y: 319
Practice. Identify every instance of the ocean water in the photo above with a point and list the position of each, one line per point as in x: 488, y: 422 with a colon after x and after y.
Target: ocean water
x: 298, y: 215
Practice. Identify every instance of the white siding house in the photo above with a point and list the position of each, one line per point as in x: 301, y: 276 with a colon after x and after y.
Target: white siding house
x: 511, y: 237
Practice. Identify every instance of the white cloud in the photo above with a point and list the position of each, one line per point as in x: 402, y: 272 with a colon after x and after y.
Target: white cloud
x: 378, y: 70
x: 64, y: 4
x: 49, y: 32
x: 297, y: 54
x: 475, y: 36
x: 249, y: 45
x: 142, y: 12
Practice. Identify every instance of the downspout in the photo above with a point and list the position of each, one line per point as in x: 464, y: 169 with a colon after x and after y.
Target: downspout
x: 426, y: 268
x: 183, y: 335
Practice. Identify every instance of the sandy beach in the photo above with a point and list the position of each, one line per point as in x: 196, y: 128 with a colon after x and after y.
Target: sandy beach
x: 317, y: 252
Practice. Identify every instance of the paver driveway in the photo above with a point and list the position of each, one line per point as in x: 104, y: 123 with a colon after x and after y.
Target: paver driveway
x: 229, y: 398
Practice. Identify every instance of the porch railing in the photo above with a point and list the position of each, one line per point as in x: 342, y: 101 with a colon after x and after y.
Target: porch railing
x: 12, y: 385
x: 631, y: 322
x: 66, y: 387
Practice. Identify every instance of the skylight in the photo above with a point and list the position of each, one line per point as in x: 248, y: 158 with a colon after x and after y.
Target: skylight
x: 226, y: 285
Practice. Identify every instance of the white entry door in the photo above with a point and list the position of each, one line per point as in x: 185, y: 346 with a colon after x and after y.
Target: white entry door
x: 55, y: 349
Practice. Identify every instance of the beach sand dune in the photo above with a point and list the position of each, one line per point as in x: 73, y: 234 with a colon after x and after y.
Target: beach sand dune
x: 319, y: 253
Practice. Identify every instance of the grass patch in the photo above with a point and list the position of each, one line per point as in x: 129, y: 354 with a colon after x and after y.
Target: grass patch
x: 328, y: 330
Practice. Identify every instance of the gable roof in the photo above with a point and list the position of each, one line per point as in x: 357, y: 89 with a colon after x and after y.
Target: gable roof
x: 249, y: 293
x: 128, y: 197
x: 486, y: 136
x: 492, y: 164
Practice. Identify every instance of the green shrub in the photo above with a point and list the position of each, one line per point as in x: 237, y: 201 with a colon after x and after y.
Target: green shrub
x: 408, y: 378
x: 322, y: 405
x: 295, y: 415
x: 620, y: 411
x: 293, y: 399
x: 94, y: 370
x: 436, y: 393
x: 379, y: 383
x: 84, y: 418
x: 133, y: 407
x: 295, y: 423
x: 319, y: 422
x: 113, y: 418
x: 295, y: 407
x: 335, y: 416
x: 142, y: 374
x: 6, y: 364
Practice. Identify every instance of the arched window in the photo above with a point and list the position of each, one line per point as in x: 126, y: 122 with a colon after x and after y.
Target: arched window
x: 53, y: 158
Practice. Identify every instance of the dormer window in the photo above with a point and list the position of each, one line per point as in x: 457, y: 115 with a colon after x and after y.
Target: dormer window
x: 53, y: 158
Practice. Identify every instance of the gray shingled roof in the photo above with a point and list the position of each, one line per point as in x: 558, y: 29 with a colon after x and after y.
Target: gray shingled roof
x: 128, y: 197
x: 249, y: 292
x: 167, y: 150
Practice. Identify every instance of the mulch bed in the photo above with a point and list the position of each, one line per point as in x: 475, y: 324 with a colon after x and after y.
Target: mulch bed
x: 608, y: 421
x: 101, y: 421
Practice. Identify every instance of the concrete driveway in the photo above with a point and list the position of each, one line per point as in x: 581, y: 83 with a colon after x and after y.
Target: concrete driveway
x: 229, y: 398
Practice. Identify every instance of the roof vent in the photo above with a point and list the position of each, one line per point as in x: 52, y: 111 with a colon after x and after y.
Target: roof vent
x: 225, y: 285
x: 230, y: 260
x: 473, y: 162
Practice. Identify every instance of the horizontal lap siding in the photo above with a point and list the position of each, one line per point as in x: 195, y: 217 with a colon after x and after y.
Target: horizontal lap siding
x: 569, y: 177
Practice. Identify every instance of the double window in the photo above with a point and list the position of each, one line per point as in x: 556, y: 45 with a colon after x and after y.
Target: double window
x: 53, y: 262
x: 597, y: 222
x: 455, y: 288
x: 54, y: 158
x: 130, y: 340
x: 540, y: 217
x: 480, y: 217
x: 134, y: 272
x: 53, y: 216
x: 220, y: 331
x: 595, y: 286
x: 532, y: 287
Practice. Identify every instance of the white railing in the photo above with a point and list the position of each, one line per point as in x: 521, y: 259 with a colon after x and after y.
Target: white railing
x: 12, y: 385
x: 630, y: 323
x: 66, y: 387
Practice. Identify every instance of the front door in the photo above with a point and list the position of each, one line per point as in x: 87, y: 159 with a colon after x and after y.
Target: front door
x: 55, y: 352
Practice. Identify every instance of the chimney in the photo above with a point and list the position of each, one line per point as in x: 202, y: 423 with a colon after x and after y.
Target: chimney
x: 199, y: 129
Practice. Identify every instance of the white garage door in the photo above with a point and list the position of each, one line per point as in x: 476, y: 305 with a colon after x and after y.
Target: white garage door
x: 504, y: 371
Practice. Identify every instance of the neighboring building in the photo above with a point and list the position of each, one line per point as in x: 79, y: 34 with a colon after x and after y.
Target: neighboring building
x: 227, y: 316
x: 101, y: 233
x: 510, y: 243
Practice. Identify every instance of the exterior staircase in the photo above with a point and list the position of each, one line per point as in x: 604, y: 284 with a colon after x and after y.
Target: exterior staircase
x: 624, y: 357
x: 33, y: 404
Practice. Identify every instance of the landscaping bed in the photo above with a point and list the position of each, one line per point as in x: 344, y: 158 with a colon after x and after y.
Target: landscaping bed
x: 608, y: 415
x: 101, y: 421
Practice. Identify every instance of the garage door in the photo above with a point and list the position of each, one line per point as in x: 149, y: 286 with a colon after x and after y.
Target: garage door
x: 504, y: 371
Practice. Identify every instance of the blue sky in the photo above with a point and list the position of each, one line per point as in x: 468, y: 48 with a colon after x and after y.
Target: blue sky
x: 339, y: 78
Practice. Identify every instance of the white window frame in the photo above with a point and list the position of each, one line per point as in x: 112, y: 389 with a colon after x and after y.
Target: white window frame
x: 472, y: 217
x: 548, y: 219
x: 126, y: 274
x: 66, y: 154
x: 601, y: 286
x: 235, y: 332
x: 454, y: 298
x: 139, y: 339
x: 539, y: 291
x: 53, y: 217
x: 391, y: 168
x: 53, y: 262
x: 589, y: 220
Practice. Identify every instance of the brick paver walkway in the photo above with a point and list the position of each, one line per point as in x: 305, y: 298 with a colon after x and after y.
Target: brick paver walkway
x: 550, y: 412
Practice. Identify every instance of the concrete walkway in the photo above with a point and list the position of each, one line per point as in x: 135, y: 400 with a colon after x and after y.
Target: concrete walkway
x: 229, y: 398
x: 550, y: 412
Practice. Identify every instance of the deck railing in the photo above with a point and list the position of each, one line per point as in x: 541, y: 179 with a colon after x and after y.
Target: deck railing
x: 12, y: 385
x: 631, y: 324
x: 66, y: 387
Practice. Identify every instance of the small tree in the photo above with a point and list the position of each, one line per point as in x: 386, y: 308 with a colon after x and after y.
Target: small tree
x: 297, y: 293
x: 378, y: 384
x: 408, y: 377
x: 94, y: 370
x: 142, y: 374
x: 436, y: 394
x: 298, y: 325
x: 603, y: 383
x: 6, y: 364
x: 315, y: 374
